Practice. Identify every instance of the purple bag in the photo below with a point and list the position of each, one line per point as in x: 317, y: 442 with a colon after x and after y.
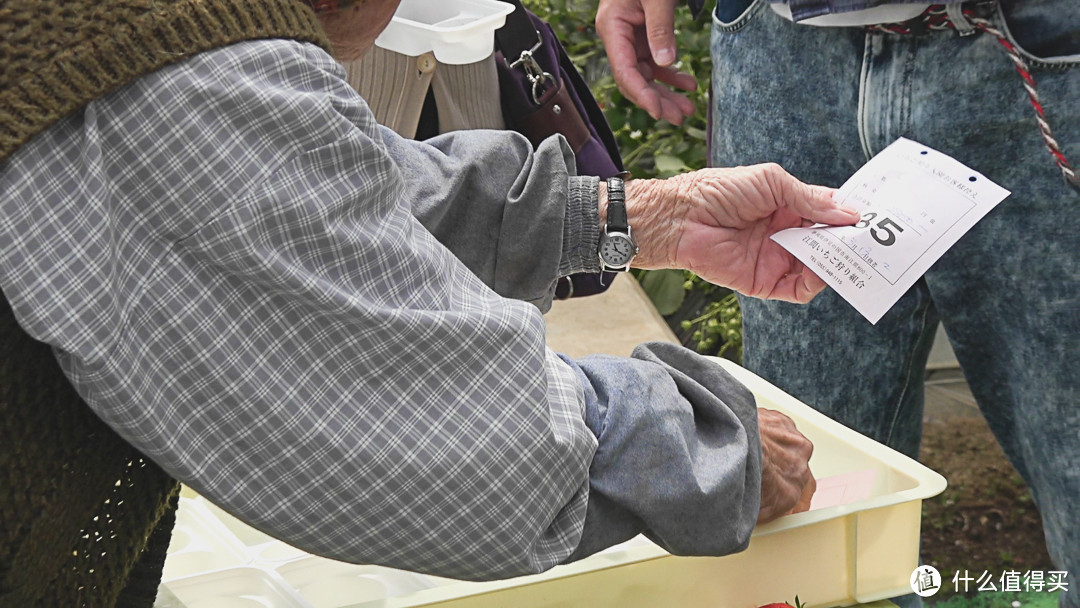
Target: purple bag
x: 542, y: 94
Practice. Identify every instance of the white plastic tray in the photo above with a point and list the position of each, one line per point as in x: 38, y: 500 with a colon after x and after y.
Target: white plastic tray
x: 242, y: 587
x: 456, y: 31
x: 833, y: 556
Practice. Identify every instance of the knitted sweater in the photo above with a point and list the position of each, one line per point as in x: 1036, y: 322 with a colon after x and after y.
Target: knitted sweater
x: 58, y: 55
x: 84, y: 519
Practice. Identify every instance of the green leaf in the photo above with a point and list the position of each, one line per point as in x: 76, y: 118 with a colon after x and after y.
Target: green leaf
x: 667, y: 164
x: 665, y: 289
x: 696, y: 133
x: 640, y: 120
x: 616, y: 119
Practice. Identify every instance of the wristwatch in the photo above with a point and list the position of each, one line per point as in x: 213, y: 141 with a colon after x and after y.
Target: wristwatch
x: 617, y: 247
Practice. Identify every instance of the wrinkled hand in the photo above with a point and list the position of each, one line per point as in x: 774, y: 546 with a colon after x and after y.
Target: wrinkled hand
x: 717, y: 223
x: 639, y: 37
x: 786, y: 482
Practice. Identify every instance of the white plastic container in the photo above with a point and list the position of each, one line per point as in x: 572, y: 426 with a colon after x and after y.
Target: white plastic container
x: 840, y: 555
x: 233, y: 588
x: 456, y: 31
x: 326, y: 583
x: 199, y: 544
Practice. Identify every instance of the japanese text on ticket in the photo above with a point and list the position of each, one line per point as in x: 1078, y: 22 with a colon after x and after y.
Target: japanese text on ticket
x: 915, y: 202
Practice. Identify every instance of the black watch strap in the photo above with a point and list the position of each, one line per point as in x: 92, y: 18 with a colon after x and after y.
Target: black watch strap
x: 616, y: 208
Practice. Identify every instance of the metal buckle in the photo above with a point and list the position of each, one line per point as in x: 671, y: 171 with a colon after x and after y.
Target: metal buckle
x: 536, y: 75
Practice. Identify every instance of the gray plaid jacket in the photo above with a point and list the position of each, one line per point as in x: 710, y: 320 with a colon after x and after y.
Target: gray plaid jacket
x: 336, y: 334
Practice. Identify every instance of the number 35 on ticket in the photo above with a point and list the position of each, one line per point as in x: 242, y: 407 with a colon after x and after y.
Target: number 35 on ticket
x: 915, y: 202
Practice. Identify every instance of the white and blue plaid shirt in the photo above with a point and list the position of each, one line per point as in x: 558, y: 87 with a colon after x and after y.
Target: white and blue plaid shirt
x: 326, y: 329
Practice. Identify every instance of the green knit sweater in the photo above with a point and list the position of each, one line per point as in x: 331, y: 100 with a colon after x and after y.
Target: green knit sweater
x: 85, y: 520
x: 58, y: 55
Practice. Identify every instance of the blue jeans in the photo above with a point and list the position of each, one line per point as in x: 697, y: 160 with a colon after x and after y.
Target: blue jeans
x: 820, y: 102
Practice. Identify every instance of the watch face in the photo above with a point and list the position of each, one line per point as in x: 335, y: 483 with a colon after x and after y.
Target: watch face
x: 616, y: 249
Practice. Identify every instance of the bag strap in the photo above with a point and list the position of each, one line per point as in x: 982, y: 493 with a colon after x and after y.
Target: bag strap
x: 519, y: 42
x: 517, y: 35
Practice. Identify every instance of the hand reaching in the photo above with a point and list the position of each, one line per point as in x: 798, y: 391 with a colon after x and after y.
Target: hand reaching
x: 787, y: 484
x: 639, y: 37
x: 717, y: 223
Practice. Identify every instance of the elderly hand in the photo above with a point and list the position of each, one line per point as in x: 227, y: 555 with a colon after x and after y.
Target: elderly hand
x: 639, y: 36
x: 786, y: 482
x: 717, y: 223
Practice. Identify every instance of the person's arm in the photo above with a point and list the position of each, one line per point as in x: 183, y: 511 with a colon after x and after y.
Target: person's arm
x: 225, y: 264
x: 517, y: 219
x: 232, y: 279
x: 679, y: 448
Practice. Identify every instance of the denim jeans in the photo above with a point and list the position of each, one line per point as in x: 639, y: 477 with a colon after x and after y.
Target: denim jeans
x: 821, y: 101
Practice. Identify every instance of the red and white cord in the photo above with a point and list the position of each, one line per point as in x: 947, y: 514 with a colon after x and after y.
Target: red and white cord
x: 936, y: 18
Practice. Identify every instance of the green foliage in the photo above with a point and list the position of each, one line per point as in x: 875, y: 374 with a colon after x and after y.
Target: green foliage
x: 653, y: 148
x: 718, y: 329
x: 666, y: 289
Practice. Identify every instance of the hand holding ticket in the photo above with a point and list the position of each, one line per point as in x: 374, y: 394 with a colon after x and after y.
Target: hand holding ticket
x: 915, y: 202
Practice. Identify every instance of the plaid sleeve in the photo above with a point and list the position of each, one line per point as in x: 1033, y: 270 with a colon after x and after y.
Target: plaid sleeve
x: 490, y: 187
x: 222, y: 257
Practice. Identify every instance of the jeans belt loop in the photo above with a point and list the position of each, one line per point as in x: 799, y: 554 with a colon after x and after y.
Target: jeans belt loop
x: 955, y: 11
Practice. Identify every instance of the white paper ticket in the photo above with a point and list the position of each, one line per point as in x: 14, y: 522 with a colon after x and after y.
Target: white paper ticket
x: 915, y: 202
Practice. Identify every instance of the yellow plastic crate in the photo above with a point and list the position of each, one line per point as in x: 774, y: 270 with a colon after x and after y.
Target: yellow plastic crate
x: 840, y: 555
